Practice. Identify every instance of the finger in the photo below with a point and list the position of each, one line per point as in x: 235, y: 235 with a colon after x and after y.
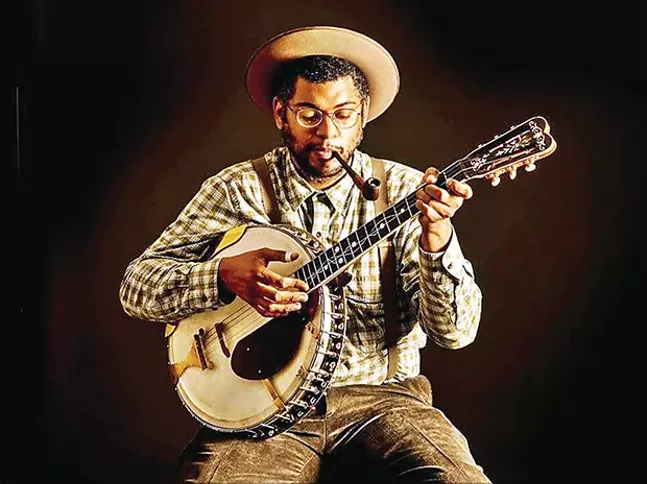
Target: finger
x: 268, y: 254
x: 285, y: 297
x: 277, y: 280
x: 435, y: 210
x: 431, y: 175
x: 428, y: 212
x: 274, y: 310
x: 437, y: 193
x: 283, y: 308
x: 423, y: 196
x: 461, y: 189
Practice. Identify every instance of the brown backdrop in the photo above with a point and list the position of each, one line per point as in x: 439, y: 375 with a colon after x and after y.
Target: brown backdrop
x: 125, y: 107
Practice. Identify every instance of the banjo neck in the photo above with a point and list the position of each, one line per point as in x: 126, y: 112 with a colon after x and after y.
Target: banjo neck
x: 329, y: 263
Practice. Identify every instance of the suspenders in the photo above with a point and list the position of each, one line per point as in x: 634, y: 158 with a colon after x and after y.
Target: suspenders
x: 269, y: 200
x: 387, y: 273
x: 385, y: 249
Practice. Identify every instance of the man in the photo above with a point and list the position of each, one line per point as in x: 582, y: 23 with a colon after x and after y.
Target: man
x: 322, y: 85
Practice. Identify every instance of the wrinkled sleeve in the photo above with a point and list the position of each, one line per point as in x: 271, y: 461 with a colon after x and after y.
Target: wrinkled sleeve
x: 441, y: 287
x: 175, y: 277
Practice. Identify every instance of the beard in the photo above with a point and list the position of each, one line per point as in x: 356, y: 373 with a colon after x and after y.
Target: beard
x: 318, y: 169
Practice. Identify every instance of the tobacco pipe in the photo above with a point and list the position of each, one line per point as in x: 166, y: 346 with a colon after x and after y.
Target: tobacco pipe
x: 370, y: 188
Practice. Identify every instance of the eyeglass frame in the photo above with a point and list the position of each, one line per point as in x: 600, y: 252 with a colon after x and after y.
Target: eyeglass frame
x: 326, y: 113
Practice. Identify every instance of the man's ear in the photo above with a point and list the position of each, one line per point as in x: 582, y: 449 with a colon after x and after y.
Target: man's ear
x: 366, y: 105
x: 278, y: 112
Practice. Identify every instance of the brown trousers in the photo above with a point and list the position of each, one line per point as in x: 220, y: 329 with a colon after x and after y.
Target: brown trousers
x: 381, y: 433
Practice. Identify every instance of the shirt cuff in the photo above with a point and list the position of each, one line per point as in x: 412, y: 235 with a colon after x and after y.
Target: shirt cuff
x: 439, y: 264
x: 203, y: 279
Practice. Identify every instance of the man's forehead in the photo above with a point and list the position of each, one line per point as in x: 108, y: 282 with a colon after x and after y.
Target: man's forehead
x: 334, y: 92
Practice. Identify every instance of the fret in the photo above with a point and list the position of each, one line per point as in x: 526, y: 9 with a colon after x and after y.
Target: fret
x: 411, y: 205
x: 314, y: 273
x: 322, y: 266
x: 300, y: 274
x: 306, y: 273
x: 392, y: 219
x: 330, y: 265
x: 319, y: 265
x: 365, y: 241
x: 398, y: 210
x: 346, y: 250
x: 373, y: 236
x: 355, y: 244
x: 338, y: 258
x: 442, y: 180
x: 310, y: 275
x: 383, y: 225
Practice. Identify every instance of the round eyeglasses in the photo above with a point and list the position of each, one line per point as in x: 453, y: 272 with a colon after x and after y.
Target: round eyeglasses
x: 310, y: 117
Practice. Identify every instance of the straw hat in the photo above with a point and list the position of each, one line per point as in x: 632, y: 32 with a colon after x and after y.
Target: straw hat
x: 370, y: 57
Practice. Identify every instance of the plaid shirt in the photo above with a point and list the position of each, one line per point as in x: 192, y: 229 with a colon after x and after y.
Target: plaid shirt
x: 437, y: 295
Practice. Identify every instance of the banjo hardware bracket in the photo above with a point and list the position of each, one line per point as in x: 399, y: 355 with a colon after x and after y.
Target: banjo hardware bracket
x: 195, y: 357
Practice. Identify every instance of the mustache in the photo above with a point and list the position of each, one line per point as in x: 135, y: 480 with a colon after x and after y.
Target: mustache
x: 325, y: 146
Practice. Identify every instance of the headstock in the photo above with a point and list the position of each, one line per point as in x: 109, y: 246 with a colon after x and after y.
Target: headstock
x: 522, y: 145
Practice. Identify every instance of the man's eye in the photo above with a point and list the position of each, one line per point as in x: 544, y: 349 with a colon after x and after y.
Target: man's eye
x: 344, y: 114
x: 309, y: 114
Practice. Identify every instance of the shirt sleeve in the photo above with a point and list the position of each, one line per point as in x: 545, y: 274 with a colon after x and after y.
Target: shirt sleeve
x: 444, y: 295
x: 175, y: 275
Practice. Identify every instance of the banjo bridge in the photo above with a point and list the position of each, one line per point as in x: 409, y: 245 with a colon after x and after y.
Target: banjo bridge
x: 221, y: 339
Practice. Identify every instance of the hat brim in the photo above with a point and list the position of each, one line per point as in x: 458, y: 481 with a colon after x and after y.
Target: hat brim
x: 370, y: 57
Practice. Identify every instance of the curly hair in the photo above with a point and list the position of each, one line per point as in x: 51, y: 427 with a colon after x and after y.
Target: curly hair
x: 316, y: 69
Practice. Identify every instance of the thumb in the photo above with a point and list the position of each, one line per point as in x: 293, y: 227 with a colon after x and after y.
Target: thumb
x: 268, y: 254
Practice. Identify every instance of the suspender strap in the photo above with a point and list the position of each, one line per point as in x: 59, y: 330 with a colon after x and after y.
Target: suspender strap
x: 269, y: 199
x: 387, y: 273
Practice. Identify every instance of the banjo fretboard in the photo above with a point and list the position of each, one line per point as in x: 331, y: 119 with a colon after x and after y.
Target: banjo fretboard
x: 332, y: 261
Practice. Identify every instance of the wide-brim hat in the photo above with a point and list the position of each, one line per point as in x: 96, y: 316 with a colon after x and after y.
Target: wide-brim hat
x: 369, y: 56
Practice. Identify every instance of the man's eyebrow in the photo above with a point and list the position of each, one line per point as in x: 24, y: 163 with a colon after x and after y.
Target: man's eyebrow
x: 311, y: 105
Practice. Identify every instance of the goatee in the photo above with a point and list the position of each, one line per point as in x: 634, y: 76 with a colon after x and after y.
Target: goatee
x: 301, y: 156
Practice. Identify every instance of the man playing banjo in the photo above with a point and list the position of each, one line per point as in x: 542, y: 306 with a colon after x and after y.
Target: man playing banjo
x: 230, y: 267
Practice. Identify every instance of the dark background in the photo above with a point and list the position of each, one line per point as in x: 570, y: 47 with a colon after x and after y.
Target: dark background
x: 121, y: 109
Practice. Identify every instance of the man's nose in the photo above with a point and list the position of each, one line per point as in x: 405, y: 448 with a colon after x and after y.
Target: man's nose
x: 327, y: 129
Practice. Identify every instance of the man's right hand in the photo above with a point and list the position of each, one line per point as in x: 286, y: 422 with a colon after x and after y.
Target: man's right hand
x: 271, y: 294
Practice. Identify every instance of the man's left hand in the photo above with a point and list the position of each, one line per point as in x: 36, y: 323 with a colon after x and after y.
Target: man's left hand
x: 437, y: 206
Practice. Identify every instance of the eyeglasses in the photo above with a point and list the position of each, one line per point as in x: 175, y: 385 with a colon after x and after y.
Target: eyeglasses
x: 310, y: 117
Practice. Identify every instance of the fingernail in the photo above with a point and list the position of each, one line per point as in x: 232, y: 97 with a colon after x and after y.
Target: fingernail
x: 291, y: 256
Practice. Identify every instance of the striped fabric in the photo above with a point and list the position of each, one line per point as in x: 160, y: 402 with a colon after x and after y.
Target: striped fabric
x: 436, y: 293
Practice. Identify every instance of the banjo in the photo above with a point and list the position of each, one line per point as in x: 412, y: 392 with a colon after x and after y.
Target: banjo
x: 255, y: 377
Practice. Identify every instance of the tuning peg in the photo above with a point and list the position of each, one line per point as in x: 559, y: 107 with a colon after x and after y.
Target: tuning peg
x: 530, y: 167
x: 495, y: 180
x: 512, y: 173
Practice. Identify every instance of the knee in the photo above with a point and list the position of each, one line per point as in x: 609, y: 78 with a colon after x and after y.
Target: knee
x: 430, y: 448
